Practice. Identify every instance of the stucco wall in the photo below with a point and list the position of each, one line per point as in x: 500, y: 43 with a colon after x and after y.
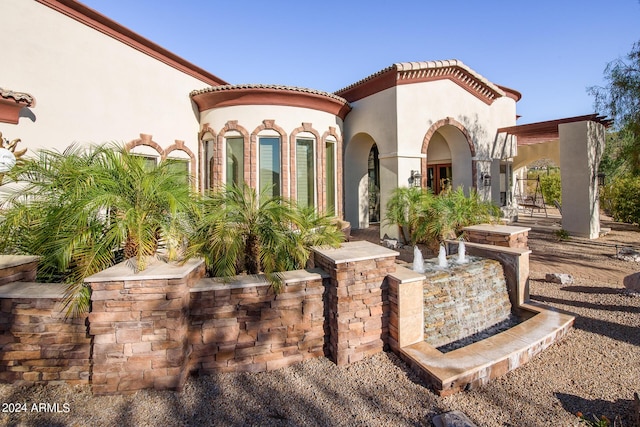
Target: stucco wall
x: 276, y: 120
x: 89, y: 87
x: 399, y: 118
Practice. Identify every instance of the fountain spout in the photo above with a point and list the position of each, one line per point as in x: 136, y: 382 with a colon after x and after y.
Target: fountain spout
x: 462, y: 259
x: 418, y: 260
x: 442, y: 257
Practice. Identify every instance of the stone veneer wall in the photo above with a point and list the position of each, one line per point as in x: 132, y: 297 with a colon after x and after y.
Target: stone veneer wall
x: 139, y: 325
x: 17, y: 268
x: 358, y: 300
x: 243, y: 326
x: 37, y: 344
x: 150, y: 329
x: 498, y: 235
x: 463, y: 300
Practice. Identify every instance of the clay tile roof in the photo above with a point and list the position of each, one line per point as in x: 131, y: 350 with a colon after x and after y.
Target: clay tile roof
x: 409, y: 72
x: 25, y: 99
x: 267, y: 87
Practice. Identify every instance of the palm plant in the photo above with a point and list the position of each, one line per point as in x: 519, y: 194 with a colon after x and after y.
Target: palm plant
x: 76, y: 209
x: 403, y: 209
x: 241, y: 232
x: 444, y: 216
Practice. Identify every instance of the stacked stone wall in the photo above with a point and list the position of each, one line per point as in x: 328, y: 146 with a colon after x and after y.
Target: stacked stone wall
x: 38, y: 345
x: 463, y: 300
x: 488, y: 237
x: 16, y: 268
x: 139, y: 330
x: 246, y: 327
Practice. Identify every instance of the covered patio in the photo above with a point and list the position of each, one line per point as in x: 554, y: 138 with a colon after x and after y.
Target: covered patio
x: 576, y: 145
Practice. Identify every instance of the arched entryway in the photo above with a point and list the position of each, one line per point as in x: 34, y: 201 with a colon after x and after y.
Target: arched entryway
x: 362, y: 181
x: 449, y: 157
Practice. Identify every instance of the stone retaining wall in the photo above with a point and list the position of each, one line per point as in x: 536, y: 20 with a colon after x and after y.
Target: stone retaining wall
x: 18, y: 268
x: 498, y: 235
x: 243, y: 326
x: 37, y: 344
x: 139, y: 326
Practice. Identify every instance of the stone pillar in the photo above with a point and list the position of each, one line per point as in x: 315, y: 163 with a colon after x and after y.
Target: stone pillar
x: 581, y: 147
x: 358, y: 304
x: 499, y: 235
x: 406, y: 308
x: 139, y: 323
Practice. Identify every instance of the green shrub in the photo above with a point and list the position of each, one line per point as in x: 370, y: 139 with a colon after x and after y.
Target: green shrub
x: 551, y: 188
x: 621, y: 199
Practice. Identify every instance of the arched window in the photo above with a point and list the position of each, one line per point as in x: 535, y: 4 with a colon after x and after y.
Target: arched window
x: 270, y: 169
x: 305, y: 172
x: 235, y: 160
x: 330, y: 172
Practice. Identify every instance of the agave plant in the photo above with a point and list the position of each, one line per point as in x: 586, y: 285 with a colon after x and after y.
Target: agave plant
x: 78, y: 208
x: 241, y: 232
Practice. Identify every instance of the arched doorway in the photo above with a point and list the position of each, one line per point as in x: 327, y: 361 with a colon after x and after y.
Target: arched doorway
x: 449, y: 157
x: 361, y: 181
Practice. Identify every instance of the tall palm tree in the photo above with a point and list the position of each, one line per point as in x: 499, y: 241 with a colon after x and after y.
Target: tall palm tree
x: 241, y: 232
x: 77, y: 208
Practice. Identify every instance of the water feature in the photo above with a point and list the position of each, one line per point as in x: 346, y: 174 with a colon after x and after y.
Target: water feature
x: 442, y: 257
x: 418, y: 260
x: 462, y: 258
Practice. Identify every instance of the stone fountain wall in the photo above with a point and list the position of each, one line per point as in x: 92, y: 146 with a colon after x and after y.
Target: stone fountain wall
x: 464, y: 299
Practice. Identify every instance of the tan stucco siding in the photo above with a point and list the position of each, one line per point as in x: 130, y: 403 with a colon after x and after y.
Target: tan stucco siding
x: 89, y: 87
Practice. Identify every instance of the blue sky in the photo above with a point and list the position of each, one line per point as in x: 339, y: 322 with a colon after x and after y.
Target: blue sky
x: 550, y: 51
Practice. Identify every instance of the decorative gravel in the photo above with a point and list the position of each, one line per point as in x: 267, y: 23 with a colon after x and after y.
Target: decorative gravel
x: 596, y: 369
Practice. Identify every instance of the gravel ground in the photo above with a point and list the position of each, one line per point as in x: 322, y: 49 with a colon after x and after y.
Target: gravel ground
x: 596, y: 369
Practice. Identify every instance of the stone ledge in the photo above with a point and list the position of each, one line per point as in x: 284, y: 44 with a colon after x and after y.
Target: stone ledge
x: 404, y: 274
x: 17, y: 290
x: 156, y: 270
x: 507, y: 230
x: 8, y: 261
x: 252, y: 280
x: 453, y: 248
x: 490, y: 358
x: 355, y: 251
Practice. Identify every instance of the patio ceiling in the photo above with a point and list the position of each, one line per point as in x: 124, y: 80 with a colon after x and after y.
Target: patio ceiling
x: 537, y: 133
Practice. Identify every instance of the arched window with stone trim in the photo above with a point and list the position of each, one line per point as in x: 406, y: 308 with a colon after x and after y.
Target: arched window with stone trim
x: 269, y: 163
x: 305, y: 169
x: 234, y: 155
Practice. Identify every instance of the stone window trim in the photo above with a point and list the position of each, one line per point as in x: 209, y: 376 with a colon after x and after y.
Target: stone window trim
x: 219, y: 157
x: 284, y: 150
x: 427, y: 138
x: 333, y: 136
x: 203, y: 163
x: 178, y: 145
x: 318, y: 155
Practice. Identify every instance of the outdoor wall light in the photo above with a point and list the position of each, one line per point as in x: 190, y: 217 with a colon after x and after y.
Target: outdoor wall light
x: 415, y: 180
x: 486, y: 179
x: 601, y: 179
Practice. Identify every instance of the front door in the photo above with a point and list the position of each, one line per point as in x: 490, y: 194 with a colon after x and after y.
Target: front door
x: 439, y: 177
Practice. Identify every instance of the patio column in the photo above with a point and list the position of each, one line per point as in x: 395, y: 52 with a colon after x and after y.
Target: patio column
x: 581, y: 147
